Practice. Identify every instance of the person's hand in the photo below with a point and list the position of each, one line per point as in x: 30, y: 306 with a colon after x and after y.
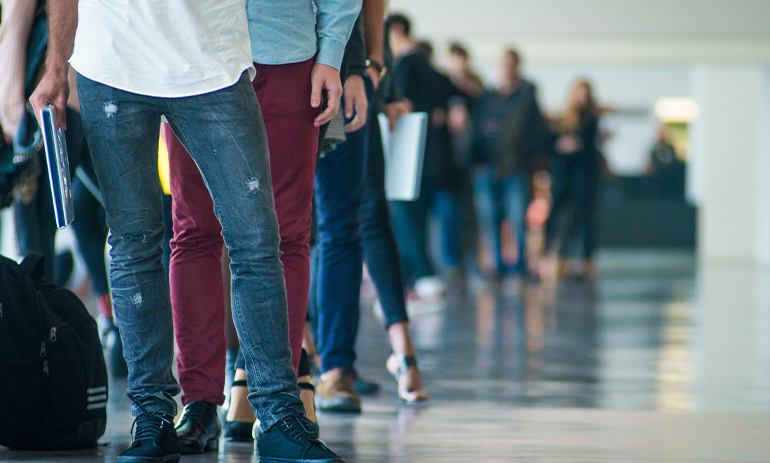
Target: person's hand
x: 355, y: 98
x: 568, y: 144
x: 324, y: 77
x: 438, y: 117
x: 53, y: 89
x: 395, y: 110
x: 374, y: 76
x: 458, y: 119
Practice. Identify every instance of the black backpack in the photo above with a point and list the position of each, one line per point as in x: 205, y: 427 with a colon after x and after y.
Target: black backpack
x: 53, y: 379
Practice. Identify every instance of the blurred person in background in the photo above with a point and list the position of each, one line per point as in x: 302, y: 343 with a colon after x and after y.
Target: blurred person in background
x: 23, y: 41
x: 576, y: 173
x: 665, y: 167
x: 427, y: 91
x: 379, y: 243
x: 508, y: 129
x: 459, y: 70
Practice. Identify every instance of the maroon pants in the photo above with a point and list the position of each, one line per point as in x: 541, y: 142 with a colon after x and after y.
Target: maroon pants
x: 197, y: 293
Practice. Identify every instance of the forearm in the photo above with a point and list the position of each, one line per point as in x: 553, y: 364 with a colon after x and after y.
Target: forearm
x: 374, y: 29
x: 14, y: 31
x: 62, y: 24
x: 54, y: 88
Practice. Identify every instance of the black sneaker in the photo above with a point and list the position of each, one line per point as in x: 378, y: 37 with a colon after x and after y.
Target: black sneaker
x: 199, y: 428
x: 294, y: 439
x: 155, y: 441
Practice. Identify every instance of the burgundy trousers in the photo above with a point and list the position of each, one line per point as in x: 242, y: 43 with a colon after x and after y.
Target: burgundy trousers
x: 195, y: 274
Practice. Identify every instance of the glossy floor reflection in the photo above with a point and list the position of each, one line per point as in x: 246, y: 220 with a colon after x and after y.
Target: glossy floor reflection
x: 655, y: 361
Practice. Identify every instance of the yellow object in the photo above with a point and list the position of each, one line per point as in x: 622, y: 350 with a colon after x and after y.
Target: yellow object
x: 163, y: 165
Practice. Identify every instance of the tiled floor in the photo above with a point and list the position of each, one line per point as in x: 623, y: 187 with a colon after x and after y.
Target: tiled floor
x: 658, y: 360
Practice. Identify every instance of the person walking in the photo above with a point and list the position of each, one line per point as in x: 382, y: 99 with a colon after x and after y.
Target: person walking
x: 572, y: 218
x: 507, y: 128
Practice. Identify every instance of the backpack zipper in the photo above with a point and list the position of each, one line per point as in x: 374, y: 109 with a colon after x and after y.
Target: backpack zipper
x: 45, y: 362
x: 53, y: 334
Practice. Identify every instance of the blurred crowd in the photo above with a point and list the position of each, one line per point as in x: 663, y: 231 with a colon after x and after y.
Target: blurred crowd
x: 509, y: 189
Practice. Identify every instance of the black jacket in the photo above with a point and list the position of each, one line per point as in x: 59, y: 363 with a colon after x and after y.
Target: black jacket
x: 507, y: 130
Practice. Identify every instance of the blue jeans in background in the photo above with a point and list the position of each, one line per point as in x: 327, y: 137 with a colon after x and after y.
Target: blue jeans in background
x: 410, y: 226
x: 338, y: 191
x: 446, y: 209
x: 225, y: 135
x: 497, y: 200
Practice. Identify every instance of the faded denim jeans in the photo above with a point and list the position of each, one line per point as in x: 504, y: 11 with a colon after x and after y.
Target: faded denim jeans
x: 225, y: 135
x: 496, y: 200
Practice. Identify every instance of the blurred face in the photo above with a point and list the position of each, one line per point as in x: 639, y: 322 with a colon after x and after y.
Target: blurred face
x: 396, y: 33
x: 456, y: 63
x: 510, y: 67
x: 580, y: 95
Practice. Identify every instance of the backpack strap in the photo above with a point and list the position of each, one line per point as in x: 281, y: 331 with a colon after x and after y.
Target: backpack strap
x: 33, y: 266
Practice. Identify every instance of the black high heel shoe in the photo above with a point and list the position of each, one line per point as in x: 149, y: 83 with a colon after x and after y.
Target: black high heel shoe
x: 239, y: 431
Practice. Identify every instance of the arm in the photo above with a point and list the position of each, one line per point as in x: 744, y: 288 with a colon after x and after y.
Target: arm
x: 18, y: 16
x: 374, y: 33
x: 54, y: 87
x: 354, y: 66
x: 335, y: 19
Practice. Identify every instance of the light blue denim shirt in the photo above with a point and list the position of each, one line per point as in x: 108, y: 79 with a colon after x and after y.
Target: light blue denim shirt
x: 291, y: 31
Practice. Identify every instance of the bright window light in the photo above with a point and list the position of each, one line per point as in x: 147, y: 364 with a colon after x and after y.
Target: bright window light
x: 672, y: 110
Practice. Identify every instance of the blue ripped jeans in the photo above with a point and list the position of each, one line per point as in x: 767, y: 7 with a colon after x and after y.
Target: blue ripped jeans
x: 225, y: 135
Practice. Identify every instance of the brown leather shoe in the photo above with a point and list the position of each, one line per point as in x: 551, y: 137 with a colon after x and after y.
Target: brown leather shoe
x: 335, y: 391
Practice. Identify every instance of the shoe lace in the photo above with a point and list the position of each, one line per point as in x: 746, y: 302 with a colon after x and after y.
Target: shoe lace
x: 148, y: 427
x: 194, y: 412
x: 302, y: 428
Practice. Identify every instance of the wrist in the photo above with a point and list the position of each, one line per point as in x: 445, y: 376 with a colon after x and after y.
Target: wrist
x: 57, y: 67
x: 375, y: 64
x: 354, y: 78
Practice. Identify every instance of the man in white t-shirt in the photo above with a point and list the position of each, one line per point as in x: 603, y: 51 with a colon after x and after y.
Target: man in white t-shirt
x: 187, y: 60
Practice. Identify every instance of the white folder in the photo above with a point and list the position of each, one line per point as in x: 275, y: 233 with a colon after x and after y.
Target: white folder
x: 404, y: 150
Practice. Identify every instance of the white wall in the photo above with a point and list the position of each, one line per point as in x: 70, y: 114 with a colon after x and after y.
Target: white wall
x: 599, y: 31
x: 744, y: 18
x: 732, y: 149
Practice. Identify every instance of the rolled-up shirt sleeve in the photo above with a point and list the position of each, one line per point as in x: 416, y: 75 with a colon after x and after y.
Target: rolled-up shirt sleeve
x: 334, y: 23
x: 18, y: 16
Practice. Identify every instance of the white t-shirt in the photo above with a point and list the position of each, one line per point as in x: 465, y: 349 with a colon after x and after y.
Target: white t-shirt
x: 163, y: 48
